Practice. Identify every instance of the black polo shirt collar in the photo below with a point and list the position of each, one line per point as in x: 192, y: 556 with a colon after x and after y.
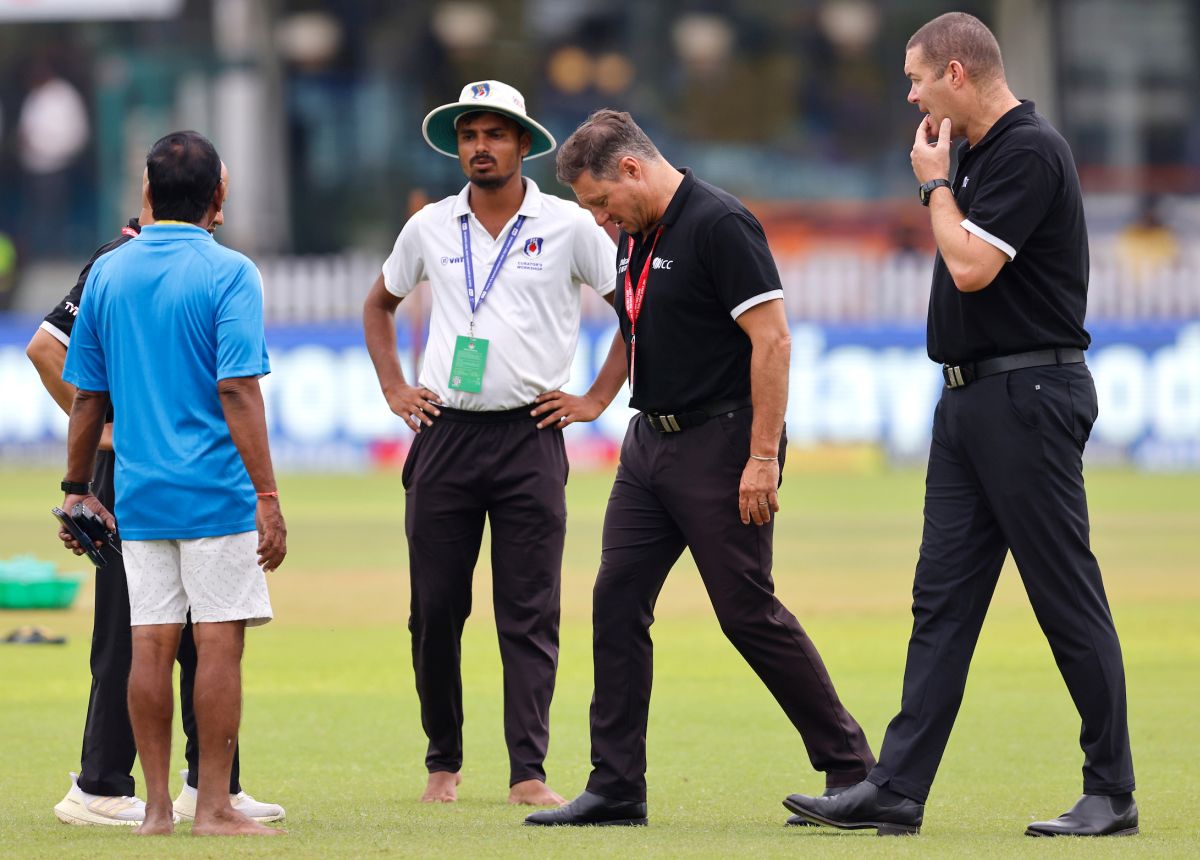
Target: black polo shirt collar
x: 670, y: 215
x: 1024, y: 109
x: 679, y: 199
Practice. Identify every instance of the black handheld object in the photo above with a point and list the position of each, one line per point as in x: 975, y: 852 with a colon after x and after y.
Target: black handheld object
x: 87, y: 528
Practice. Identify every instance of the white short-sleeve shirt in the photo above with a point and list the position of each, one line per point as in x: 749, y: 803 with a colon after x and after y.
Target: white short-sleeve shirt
x: 530, y: 317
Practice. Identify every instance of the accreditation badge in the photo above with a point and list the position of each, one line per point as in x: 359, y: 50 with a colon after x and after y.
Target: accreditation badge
x: 466, y: 370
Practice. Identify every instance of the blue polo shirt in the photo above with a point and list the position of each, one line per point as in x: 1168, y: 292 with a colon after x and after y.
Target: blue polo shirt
x: 163, y: 318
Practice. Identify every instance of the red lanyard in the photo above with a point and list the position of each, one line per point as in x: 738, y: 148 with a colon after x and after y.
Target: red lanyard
x: 633, y: 301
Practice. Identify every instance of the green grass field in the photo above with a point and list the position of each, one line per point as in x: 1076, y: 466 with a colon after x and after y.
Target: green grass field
x: 331, y: 727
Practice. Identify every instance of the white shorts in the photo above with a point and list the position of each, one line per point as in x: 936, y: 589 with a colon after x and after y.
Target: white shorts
x: 218, y: 578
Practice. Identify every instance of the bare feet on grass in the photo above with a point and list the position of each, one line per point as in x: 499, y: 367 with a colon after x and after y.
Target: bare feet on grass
x: 159, y: 821
x: 534, y: 792
x: 230, y: 822
x: 442, y: 787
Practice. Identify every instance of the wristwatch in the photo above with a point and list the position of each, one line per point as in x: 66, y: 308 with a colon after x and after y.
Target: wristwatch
x: 76, y: 488
x: 924, y: 191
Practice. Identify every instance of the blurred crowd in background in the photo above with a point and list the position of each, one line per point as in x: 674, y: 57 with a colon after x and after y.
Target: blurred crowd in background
x: 798, y: 108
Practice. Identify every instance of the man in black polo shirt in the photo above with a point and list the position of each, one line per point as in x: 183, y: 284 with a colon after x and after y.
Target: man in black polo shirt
x: 102, y: 793
x: 701, y: 313
x: 1006, y: 462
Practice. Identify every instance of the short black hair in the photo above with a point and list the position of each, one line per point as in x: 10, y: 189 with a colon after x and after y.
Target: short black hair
x: 184, y: 171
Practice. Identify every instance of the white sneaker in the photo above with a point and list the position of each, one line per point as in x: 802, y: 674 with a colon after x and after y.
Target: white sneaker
x: 79, y: 807
x: 185, y: 805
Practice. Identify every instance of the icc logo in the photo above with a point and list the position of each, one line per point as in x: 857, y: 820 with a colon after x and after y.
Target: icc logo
x: 660, y: 263
x: 533, y: 247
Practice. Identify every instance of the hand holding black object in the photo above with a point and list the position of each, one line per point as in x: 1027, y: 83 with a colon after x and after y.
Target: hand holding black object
x: 87, y: 528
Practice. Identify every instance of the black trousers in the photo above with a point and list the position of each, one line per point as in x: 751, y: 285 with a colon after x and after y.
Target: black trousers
x: 1006, y: 473
x: 108, y: 747
x: 467, y: 467
x: 675, y: 491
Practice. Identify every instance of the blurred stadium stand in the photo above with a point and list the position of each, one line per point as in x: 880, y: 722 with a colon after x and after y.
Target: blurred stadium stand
x: 799, y: 108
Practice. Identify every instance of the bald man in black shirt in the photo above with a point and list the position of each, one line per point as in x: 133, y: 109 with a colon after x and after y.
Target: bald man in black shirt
x: 1005, y: 471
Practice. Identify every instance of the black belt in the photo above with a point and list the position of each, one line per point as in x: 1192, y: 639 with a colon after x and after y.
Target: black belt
x: 958, y: 375
x: 677, y: 421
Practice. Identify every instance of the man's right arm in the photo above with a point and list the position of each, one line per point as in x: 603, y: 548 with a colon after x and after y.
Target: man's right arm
x: 592, y: 261
x: 47, y: 349
x: 48, y: 355
x: 411, y: 402
x: 558, y: 409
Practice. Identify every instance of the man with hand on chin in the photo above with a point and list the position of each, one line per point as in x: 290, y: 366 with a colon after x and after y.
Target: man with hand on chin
x: 505, y: 265
x: 1005, y: 472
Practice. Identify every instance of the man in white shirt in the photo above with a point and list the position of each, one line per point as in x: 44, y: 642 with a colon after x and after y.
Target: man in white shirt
x: 505, y: 264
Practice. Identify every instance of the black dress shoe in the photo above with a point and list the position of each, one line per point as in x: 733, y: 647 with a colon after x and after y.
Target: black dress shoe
x: 861, y: 807
x: 1092, y: 815
x: 591, y: 808
x: 797, y: 821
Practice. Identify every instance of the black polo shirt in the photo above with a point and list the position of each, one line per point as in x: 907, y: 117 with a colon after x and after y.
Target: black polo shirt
x: 711, y: 264
x: 1019, y: 192
x: 60, y: 321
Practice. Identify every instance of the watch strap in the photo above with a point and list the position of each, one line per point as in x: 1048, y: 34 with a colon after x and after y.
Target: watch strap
x: 76, y: 488
x: 924, y: 192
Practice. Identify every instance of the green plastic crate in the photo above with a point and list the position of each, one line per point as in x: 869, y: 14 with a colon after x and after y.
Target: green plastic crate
x: 27, y: 583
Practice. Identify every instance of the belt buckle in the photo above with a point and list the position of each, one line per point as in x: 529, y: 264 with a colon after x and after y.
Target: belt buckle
x: 664, y: 423
x: 953, y: 374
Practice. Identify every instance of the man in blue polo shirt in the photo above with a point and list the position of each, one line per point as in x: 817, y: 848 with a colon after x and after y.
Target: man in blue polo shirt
x: 170, y: 331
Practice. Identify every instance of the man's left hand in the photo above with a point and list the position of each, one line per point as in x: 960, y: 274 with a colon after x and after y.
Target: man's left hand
x: 561, y: 409
x: 758, y: 493
x: 931, y: 160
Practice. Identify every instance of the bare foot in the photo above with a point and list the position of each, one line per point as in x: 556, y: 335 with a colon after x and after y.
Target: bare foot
x: 533, y: 792
x: 442, y: 787
x: 158, y: 822
x: 230, y: 822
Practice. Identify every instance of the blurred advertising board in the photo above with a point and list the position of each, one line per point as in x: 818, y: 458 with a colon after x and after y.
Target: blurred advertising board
x: 850, y: 385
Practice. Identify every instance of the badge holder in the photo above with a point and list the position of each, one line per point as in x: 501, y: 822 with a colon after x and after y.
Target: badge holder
x: 470, y: 358
x: 470, y: 352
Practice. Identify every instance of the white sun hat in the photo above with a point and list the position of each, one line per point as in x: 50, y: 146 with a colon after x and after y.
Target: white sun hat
x: 492, y: 96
